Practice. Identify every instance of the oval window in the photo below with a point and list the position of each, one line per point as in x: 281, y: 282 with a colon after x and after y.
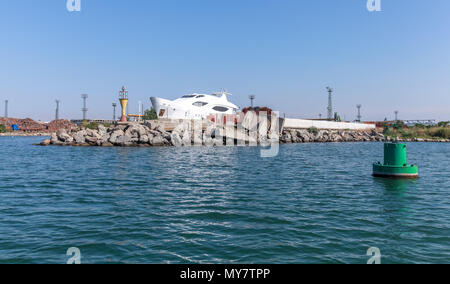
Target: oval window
x: 220, y: 109
x: 199, y: 104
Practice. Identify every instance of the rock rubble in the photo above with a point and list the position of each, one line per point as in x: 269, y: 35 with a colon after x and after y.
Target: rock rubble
x: 191, y: 134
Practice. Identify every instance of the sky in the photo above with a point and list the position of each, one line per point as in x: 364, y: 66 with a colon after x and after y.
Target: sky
x: 286, y: 52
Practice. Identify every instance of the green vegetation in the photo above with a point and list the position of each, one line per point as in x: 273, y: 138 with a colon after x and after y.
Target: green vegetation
x: 444, y: 123
x: 2, y: 128
x: 337, y: 117
x: 94, y: 125
x: 399, y: 125
x: 440, y: 131
x: 150, y: 114
x: 313, y: 130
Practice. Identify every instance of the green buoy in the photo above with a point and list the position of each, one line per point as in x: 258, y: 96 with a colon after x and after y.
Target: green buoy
x: 395, y: 165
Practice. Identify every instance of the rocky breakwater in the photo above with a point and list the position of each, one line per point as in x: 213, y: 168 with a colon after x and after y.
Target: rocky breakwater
x: 249, y: 132
x: 252, y: 131
x: 195, y: 133
x: 324, y: 136
x: 186, y: 133
x: 137, y: 135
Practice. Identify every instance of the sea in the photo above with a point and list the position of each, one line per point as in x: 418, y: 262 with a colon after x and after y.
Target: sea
x: 310, y: 203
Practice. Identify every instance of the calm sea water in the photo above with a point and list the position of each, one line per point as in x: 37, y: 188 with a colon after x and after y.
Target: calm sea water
x: 314, y: 203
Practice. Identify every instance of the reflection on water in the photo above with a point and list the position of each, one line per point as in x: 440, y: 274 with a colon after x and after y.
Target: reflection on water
x: 396, y: 184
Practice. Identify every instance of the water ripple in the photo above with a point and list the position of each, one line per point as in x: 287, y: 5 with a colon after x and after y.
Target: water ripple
x: 313, y: 203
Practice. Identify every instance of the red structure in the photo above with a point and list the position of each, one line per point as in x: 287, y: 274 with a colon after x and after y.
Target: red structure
x: 257, y: 110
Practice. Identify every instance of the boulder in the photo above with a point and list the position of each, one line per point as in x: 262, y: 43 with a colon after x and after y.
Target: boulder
x: 198, y: 138
x: 104, y: 138
x: 250, y: 121
x: 63, y: 136
x: 274, y: 137
x: 115, y: 135
x: 136, y: 131
x: 54, y: 138
x: 144, y: 139
x: 158, y: 141
x: 80, y: 137
x: 264, y: 141
x: 186, y: 138
x: 263, y: 126
x: 217, y: 135
x: 181, y: 128
x: 166, y: 135
x: 207, y: 140
x: 286, y: 138
x: 175, y: 139
x: 230, y: 134
x: 111, y: 129
x: 61, y: 132
x: 123, y: 140
x: 91, y: 140
x: 92, y: 133
x: 102, y: 130
x: 159, y: 128
x: 304, y: 136
x: 241, y: 137
x: 294, y: 137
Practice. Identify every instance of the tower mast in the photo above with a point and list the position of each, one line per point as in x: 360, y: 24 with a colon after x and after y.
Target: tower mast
x: 330, y: 103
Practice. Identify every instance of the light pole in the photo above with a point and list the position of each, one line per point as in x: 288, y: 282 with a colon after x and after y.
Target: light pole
x: 358, y: 118
x: 252, y: 98
x: 84, y: 109
x: 114, y: 111
x: 6, y: 108
x: 330, y: 103
x: 57, y: 109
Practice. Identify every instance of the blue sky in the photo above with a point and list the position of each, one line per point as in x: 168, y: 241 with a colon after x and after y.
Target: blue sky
x: 285, y: 52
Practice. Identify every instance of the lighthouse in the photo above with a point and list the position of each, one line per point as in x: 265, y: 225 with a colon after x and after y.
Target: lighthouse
x: 123, y: 98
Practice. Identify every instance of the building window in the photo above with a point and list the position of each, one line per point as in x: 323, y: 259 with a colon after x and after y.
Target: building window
x: 220, y: 109
x: 199, y: 104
